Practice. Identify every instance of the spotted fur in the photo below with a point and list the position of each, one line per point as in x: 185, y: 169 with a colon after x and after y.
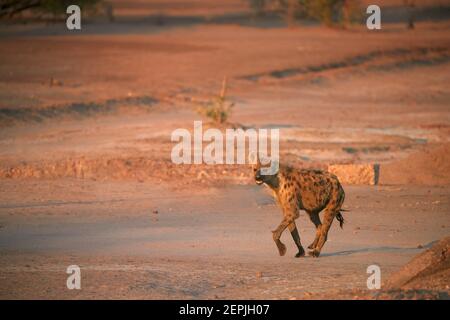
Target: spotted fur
x: 313, y: 191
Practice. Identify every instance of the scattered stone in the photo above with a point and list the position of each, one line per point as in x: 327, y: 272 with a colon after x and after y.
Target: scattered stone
x: 259, y: 274
x: 55, y: 82
x: 202, y: 174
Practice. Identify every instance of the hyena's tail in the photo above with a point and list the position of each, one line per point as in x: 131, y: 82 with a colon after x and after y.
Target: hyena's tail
x: 340, y: 218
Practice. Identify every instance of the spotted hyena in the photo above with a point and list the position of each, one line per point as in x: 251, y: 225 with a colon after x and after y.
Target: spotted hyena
x: 310, y: 190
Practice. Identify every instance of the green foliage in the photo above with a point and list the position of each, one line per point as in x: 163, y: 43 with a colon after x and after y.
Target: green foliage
x: 59, y: 6
x: 258, y: 6
x: 217, y: 109
x: 332, y: 12
x: 328, y: 12
x: 10, y: 8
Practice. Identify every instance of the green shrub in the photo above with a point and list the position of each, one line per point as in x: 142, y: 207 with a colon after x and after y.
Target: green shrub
x: 332, y: 12
x: 59, y: 6
x: 218, y: 109
x: 258, y: 6
x: 328, y: 12
x: 55, y: 7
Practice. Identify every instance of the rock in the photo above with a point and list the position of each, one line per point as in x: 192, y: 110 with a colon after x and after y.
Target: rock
x: 55, y: 82
x: 356, y: 173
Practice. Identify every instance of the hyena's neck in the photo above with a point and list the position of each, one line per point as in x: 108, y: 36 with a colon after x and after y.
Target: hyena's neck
x: 273, y: 183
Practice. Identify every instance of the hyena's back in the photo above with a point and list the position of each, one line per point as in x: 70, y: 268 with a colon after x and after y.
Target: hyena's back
x: 314, y: 189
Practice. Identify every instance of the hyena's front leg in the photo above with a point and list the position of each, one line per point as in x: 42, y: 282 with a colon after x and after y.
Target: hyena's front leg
x: 294, y: 232
x: 277, y: 234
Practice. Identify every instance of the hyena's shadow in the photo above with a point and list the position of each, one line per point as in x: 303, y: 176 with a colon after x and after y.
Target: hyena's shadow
x: 376, y: 249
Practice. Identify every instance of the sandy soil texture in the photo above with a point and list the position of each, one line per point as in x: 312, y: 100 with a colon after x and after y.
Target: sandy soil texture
x: 133, y: 240
x: 86, y: 176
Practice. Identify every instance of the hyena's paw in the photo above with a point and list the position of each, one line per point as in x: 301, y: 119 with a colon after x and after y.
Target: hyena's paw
x: 281, y: 248
x: 314, y: 253
x: 312, y: 246
x: 301, y: 253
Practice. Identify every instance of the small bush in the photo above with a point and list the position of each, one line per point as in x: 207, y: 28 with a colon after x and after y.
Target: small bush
x: 328, y: 12
x: 332, y: 12
x: 218, y: 109
x: 59, y: 6
x: 258, y: 6
x: 10, y: 8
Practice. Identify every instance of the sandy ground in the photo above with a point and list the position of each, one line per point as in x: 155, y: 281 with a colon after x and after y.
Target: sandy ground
x: 86, y: 176
x: 212, y: 245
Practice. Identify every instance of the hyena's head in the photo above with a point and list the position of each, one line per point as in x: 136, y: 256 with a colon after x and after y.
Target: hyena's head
x: 263, y: 173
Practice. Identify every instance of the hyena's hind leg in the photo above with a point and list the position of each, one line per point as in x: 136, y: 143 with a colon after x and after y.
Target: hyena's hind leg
x: 330, y: 212
x: 314, y: 217
x: 294, y: 232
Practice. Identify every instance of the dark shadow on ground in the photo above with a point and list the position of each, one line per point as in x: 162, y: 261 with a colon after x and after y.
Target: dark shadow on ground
x: 158, y: 23
x: 76, y: 109
x: 376, y: 249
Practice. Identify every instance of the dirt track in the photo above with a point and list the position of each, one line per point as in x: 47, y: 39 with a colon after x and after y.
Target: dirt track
x: 85, y: 155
